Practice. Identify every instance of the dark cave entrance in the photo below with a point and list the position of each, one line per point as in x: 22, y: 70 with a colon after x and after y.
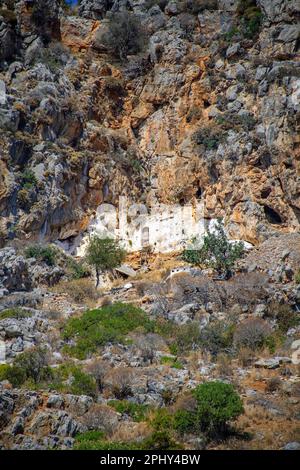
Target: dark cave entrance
x: 272, y: 216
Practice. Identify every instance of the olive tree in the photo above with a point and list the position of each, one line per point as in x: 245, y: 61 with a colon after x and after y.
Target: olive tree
x: 124, y: 36
x: 104, y: 254
x: 216, y: 252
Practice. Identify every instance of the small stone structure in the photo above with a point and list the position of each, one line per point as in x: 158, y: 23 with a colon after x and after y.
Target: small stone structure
x: 164, y: 228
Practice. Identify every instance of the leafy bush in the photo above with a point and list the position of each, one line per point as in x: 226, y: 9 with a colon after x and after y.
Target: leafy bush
x: 171, y: 361
x: 217, y: 404
x: 251, y: 17
x: 217, y: 252
x: 184, y: 421
x: 160, y: 440
x: 28, y: 179
x: 297, y: 277
x: 42, y: 253
x: 82, y: 384
x: 285, y: 317
x: 110, y: 324
x: 15, y: 375
x: 77, y: 270
x: 125, y: 35
x: 4, y: 368
x: 102, y: 444
x: 17, y: 313
x: 104, y: 254
x: 209, y: 137
x: 29, y: 366
x: 162, y: 420
x: 34, y: 363
x: 252, y: 334
x: 187, y: 337
x: 69, y: 378
x: 136, y: 411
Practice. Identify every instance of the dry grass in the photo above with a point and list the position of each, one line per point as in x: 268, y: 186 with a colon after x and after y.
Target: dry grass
x: 81, y: 291
x: 129, y: 431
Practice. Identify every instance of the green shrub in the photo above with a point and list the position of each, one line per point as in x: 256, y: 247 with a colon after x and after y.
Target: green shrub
x: 136, y: 411
x: 28, y: 179
x: 162, y: 420
x: 77, y: 270
x: 217, y: 405
x: 171, y: 361
x: 217, y: 252
x: 106, y: 445
x: 187, y: 337
x: 110, y: 324
x: 82, y: 384
x: 160, y: 440
x: 90, y: 436
x: 250, y: 17
x: 34, y: 364
x: 184, y: 421
x: 17, y: 313
x: 4, y: 368
x: 209, y: 137
x: 285, y: 317
x: 44, y: 253
x: 15, y: 375
x: 69, y: 378
x: 297, y: 277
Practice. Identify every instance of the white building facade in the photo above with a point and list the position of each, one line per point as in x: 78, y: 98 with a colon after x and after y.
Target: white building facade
x: 164, y: 228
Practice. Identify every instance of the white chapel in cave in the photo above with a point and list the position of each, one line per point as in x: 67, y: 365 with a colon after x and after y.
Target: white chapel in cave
x: 163, y: 228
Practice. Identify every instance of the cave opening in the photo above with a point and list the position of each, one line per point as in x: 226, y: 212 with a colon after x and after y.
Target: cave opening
x: 272, y: 216
x: 199, y: 193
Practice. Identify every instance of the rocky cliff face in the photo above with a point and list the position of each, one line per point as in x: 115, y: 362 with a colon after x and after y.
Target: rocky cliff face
x: 208, y: 109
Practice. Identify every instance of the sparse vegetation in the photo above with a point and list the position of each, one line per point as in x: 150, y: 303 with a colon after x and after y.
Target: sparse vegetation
x: 79, y: 290
x: 46, y: 253
x: 252, y: 334
x: 209, y: 137
x: 136, y: 411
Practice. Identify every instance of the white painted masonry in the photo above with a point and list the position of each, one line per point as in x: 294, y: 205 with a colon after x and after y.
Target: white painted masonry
x: 164, y: 228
